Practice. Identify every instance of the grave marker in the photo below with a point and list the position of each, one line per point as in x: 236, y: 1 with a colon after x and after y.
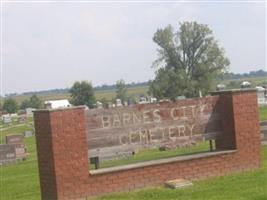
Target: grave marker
x: 7, y: 119
x: 16, y: 140
x: 22, y: 118
x: 28, y: 134
x: 7, y: 153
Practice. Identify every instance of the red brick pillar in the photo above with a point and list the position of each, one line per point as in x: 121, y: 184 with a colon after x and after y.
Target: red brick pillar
x: 247, y: 127
x: 240, y: 123
x: 62, y: 152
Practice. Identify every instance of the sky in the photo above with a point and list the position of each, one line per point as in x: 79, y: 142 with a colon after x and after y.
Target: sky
x: 48, y: 45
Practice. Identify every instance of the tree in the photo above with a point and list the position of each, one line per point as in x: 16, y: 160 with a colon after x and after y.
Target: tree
x: 189, y: 60
x: 121, y: 90
x: 25, y: 104
x: 104, y: 102
x: 33, y: 102
x: 82, y: 93
x: 10, y: 105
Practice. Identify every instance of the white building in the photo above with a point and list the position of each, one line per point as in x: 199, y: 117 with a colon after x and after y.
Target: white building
x: 245, y: 84
x: 64, y: 103
x: 220, y: 87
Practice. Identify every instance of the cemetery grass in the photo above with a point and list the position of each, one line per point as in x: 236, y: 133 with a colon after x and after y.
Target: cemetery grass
x: 21, y: 181
x: 155, y: 154
x: 239, y: 186
x: 263, y: 113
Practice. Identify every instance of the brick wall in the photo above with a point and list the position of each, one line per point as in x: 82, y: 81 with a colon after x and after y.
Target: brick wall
x: 63, y: 160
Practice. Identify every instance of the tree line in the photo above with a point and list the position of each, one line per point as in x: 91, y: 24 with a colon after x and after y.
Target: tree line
x: 10, y: 105
x: 81, y: 92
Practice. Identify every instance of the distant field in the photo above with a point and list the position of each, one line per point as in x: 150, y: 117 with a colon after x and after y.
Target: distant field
x: 136, y: 92
x: 108, y: 94
x: 255, y: 81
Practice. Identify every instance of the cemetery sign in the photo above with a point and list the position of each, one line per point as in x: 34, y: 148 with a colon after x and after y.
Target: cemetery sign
x: 126, y: 129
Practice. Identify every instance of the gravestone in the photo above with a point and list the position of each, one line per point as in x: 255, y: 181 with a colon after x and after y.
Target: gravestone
x: 263, y: 125
x: 22, y: 118
x: 7, y: 153
x: 7, y: 119
x: 28, y: 134
x: 16, y: 140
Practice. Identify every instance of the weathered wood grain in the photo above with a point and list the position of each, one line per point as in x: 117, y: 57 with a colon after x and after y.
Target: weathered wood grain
x: 122, y: 130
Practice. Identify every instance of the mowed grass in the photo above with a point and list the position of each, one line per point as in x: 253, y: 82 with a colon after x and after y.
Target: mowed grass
x: 155, y: 154
x: 20, y: 180
x: 239, y: 186
x: 263, y: 113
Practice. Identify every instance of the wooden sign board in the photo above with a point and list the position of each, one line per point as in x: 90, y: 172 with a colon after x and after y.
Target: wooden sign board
x: 7, y: 153
x: 126, y: 129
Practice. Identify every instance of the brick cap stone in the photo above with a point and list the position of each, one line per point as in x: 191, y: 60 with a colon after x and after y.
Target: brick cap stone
x: 234, y: 91
x: 60, y: 109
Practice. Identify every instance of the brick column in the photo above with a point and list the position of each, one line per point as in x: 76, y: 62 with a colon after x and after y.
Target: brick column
x: 240, y: 123
x: 247, y: 127
x: 62, y: 151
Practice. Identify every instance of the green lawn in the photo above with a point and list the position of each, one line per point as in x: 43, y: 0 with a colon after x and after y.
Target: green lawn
x: 263, y: 113
x: 240, y: 186
x: 154, y: 154
x: 15, y: 128
x: 21, y: 180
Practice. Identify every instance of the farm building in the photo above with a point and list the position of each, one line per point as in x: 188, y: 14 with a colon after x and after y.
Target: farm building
x: 57, y: 104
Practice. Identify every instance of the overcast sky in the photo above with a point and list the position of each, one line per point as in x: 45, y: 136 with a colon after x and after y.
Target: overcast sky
x: 51, y: 45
